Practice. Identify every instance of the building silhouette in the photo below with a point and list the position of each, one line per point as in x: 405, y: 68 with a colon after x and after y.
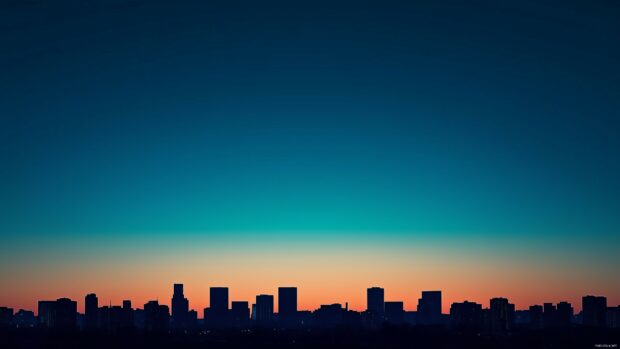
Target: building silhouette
x: 613, y: 317
x: 107, y: 320
x: 549, y: 315
x: 24, y: 319
x: 218, y: 299
x: 329, y: 315
x: 192, y: 319
x: 564, y: 314
x: 264, y: 309
x: 375, y: 300
x: 128, y: 314
x: 6, y: 316
x: 522, y: 318
x: 180, y: 308
x: 501, y: 314
x: 240, y: 314
x: 429, y: 308
x: 59, y: 314
x: 305, y: 318
x: 466, y: 316
x: 46, y: 313
x: 394, y: 312
x: 91, y: 313
x: 156, y: 317
x: 217, y: 313
x: 114, y: 317
x: 138, y: 318
x: 287, y: 305
x: 594, y: 311
x: 536, y: 317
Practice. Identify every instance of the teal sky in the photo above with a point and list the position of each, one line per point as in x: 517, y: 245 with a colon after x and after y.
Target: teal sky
x: 292, y: 168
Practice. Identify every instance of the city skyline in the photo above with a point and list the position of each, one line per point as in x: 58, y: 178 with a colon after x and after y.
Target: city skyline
x: 223, y: 313
x: 230, y: 323
x: 464, y: 146
x: 220, y: 300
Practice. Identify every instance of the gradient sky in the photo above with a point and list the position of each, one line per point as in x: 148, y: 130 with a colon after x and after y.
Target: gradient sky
x: 467, y: 146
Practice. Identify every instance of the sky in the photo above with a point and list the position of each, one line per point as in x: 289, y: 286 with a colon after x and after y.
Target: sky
x: 466, y: 146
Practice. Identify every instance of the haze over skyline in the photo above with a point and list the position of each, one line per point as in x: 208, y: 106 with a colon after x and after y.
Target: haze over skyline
x: 332, y: 147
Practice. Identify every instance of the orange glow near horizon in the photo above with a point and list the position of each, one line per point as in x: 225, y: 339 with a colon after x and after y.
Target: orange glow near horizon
x: 331, y: 277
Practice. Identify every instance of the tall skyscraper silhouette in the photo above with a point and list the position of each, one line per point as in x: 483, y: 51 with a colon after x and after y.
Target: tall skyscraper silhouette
x: 264, y: 309
x: 217, y: 315
x: 218, y: 301
x: 564, y: 314
x: 536, y: 317
x: 45, y: 313
x: 127, y: 319
x: 287, y: 305
x: 429, y: 308
x: 91, y: 309
x: 549, y: 315
x: 180, y: 308
x: 501, y: 314
x: 594, y: 311
x: 375, y: 300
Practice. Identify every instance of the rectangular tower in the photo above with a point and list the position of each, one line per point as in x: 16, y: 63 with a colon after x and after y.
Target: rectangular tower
x: 429, y: 308
x: 264, y: 309
x: 375, y: 300
x: 287, y: 301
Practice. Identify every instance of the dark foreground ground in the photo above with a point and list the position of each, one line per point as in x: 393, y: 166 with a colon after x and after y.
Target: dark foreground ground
x: 336, y: 338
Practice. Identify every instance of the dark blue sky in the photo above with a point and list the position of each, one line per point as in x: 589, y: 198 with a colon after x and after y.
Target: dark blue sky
x: 434, y: 116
